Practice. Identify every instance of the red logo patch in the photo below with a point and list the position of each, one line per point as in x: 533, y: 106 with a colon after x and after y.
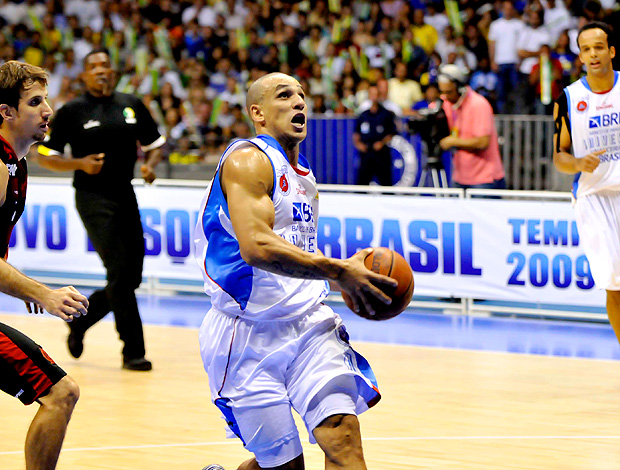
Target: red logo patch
x: 582, y: 106
x: 283, y: 183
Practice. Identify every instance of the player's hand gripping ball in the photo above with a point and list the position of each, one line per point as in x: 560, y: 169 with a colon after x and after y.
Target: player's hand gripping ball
x: 389, y: 263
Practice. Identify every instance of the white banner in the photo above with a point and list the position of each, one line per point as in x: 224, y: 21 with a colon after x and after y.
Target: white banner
x: 481, y: 248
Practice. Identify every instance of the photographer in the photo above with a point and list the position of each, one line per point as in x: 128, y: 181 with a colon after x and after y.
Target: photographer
x: 476, y: 160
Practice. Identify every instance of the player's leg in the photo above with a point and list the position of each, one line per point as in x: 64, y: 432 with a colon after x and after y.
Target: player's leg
x: 340, y: 439
x: 49, y: 426
x: 124, y: 277
x: 29, y: 374
x: 330, y: 384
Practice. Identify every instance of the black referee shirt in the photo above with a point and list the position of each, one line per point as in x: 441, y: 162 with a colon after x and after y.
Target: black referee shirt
x: 112, y: 125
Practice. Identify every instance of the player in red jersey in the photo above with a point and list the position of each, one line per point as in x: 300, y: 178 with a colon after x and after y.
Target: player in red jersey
x: 26, y: 371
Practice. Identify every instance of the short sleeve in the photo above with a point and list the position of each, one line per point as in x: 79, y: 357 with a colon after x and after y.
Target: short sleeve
x: 485, y: 121
x: 148, y: 134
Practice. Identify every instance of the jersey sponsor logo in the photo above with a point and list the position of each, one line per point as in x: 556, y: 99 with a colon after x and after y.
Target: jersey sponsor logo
x: 283, y: 185
x: 605, y: 106
x: 300, y: 190
x: 604, y: 120
x: 91, y: 123
x: 582, y: 106
x: 129, y: 115
x: 12, y: 167
x: 302, y: 212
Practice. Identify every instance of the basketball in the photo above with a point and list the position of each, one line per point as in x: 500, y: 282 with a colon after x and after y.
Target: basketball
x: 389, y: 263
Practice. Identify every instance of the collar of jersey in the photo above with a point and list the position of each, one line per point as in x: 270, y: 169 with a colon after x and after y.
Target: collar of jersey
x: 303, y: 168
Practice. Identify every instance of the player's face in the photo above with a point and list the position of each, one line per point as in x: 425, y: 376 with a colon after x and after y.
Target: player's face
x: 594, y: 51
x: 98, y: 74
x: 285, y: 109
x: 33, y: 113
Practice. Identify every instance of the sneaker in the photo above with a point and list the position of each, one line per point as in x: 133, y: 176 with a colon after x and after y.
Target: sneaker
x: 213, y: 467
x: 75, y: 343
x: 139, y: 363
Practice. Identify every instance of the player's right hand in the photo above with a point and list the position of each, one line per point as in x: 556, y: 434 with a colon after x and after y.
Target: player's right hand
x: 590, y: 162
x: 92, y: 164
x: 360, y: 283
x: 66, y: 303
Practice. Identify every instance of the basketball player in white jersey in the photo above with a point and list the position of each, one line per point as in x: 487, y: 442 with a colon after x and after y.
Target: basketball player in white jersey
x: 269, y: 344
x: 587, y: 144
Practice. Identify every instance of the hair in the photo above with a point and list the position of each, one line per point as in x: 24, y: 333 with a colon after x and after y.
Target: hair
x: 596, y: 25
x: 96, y: 50
x: 16, y: 77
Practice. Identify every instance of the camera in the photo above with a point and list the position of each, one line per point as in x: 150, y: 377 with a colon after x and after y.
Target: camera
x: 431, y: 124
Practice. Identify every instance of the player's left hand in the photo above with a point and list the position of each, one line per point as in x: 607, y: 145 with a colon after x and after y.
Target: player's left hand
x: 148, y: 173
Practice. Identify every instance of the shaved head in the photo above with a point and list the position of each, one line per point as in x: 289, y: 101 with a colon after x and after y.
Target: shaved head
x: 257, y: 90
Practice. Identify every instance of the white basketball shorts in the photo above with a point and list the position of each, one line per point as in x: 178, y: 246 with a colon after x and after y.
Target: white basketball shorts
x: 598, y: 222
x: 260, y: 371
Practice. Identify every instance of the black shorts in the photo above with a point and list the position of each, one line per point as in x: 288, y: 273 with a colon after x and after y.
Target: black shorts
x: 26, y: 371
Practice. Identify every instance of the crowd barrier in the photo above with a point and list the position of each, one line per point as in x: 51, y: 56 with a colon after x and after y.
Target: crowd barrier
x: 522, y: 248
x: 526, y: 146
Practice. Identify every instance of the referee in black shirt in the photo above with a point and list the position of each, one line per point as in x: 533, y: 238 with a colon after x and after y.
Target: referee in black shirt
x: 103, y: 128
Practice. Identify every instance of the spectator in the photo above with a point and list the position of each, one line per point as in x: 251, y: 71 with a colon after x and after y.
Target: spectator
x: 529, y: 47
x: 566, y: 57
x: 546, y: 82
x: 503, y: 36
x: 484, y: 81
x: 402, y: 90
x: 557, y: 19
x: 476, y: 160
x: 374, y: 128
x: 424, y: 35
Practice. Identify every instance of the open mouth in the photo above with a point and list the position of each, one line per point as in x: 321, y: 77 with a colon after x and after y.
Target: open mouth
x: 45, y: 126
x: 299, y: 120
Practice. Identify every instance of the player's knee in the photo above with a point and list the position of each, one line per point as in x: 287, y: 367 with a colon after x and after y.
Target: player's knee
x: 340, y: 439
x: 63, y: 395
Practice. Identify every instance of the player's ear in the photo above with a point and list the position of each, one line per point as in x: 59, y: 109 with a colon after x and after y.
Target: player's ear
x: 256, y: 113
x: 612, y: 52
x: 7, y: 112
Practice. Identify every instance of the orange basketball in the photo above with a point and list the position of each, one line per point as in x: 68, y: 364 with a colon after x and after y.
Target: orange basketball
x: 389, y: 263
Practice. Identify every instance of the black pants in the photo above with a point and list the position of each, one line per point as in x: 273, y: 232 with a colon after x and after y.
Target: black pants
x: 115, y: 230
x: 375, y: 164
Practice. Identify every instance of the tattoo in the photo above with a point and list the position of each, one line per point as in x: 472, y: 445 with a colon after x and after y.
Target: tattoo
x: 294, y: 271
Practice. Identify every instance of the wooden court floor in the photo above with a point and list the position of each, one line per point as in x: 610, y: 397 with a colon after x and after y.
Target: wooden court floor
x: 441, y: 409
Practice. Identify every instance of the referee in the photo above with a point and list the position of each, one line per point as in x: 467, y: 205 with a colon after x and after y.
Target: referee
x: 103, y: 128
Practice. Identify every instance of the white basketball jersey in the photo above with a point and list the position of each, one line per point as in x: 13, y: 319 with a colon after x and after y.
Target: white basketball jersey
x: 238, y: 288
x: 595, y: 125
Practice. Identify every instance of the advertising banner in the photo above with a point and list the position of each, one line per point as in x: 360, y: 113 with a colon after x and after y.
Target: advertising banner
x: 523, y: 251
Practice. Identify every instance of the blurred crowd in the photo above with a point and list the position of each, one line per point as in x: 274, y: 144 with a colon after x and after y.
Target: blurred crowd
x: 192, y: 61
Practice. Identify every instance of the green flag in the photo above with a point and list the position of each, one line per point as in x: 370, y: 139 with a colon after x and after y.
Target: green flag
x: 452, y: 10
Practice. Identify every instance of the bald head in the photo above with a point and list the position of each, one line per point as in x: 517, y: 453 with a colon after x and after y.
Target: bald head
x: 257, y: 90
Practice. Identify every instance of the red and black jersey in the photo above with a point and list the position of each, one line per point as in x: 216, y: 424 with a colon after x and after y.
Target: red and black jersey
x: 13, y: 206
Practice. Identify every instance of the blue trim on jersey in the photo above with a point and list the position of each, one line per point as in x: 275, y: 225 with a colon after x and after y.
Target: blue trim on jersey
x: 364, y: 368
x: 587, y: 85
x: 274, y: 143
x: 576, y: 184
x: 222, y: 404
x: 223, y: 263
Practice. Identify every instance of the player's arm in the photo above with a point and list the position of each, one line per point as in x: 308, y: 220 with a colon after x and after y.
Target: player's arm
x: 247, y: 182
x: 4, y: 182
x: 64, y: 303
x: 563, y: 159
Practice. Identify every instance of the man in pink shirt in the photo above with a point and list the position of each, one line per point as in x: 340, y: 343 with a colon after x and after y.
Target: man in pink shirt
x: 476, y: 161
